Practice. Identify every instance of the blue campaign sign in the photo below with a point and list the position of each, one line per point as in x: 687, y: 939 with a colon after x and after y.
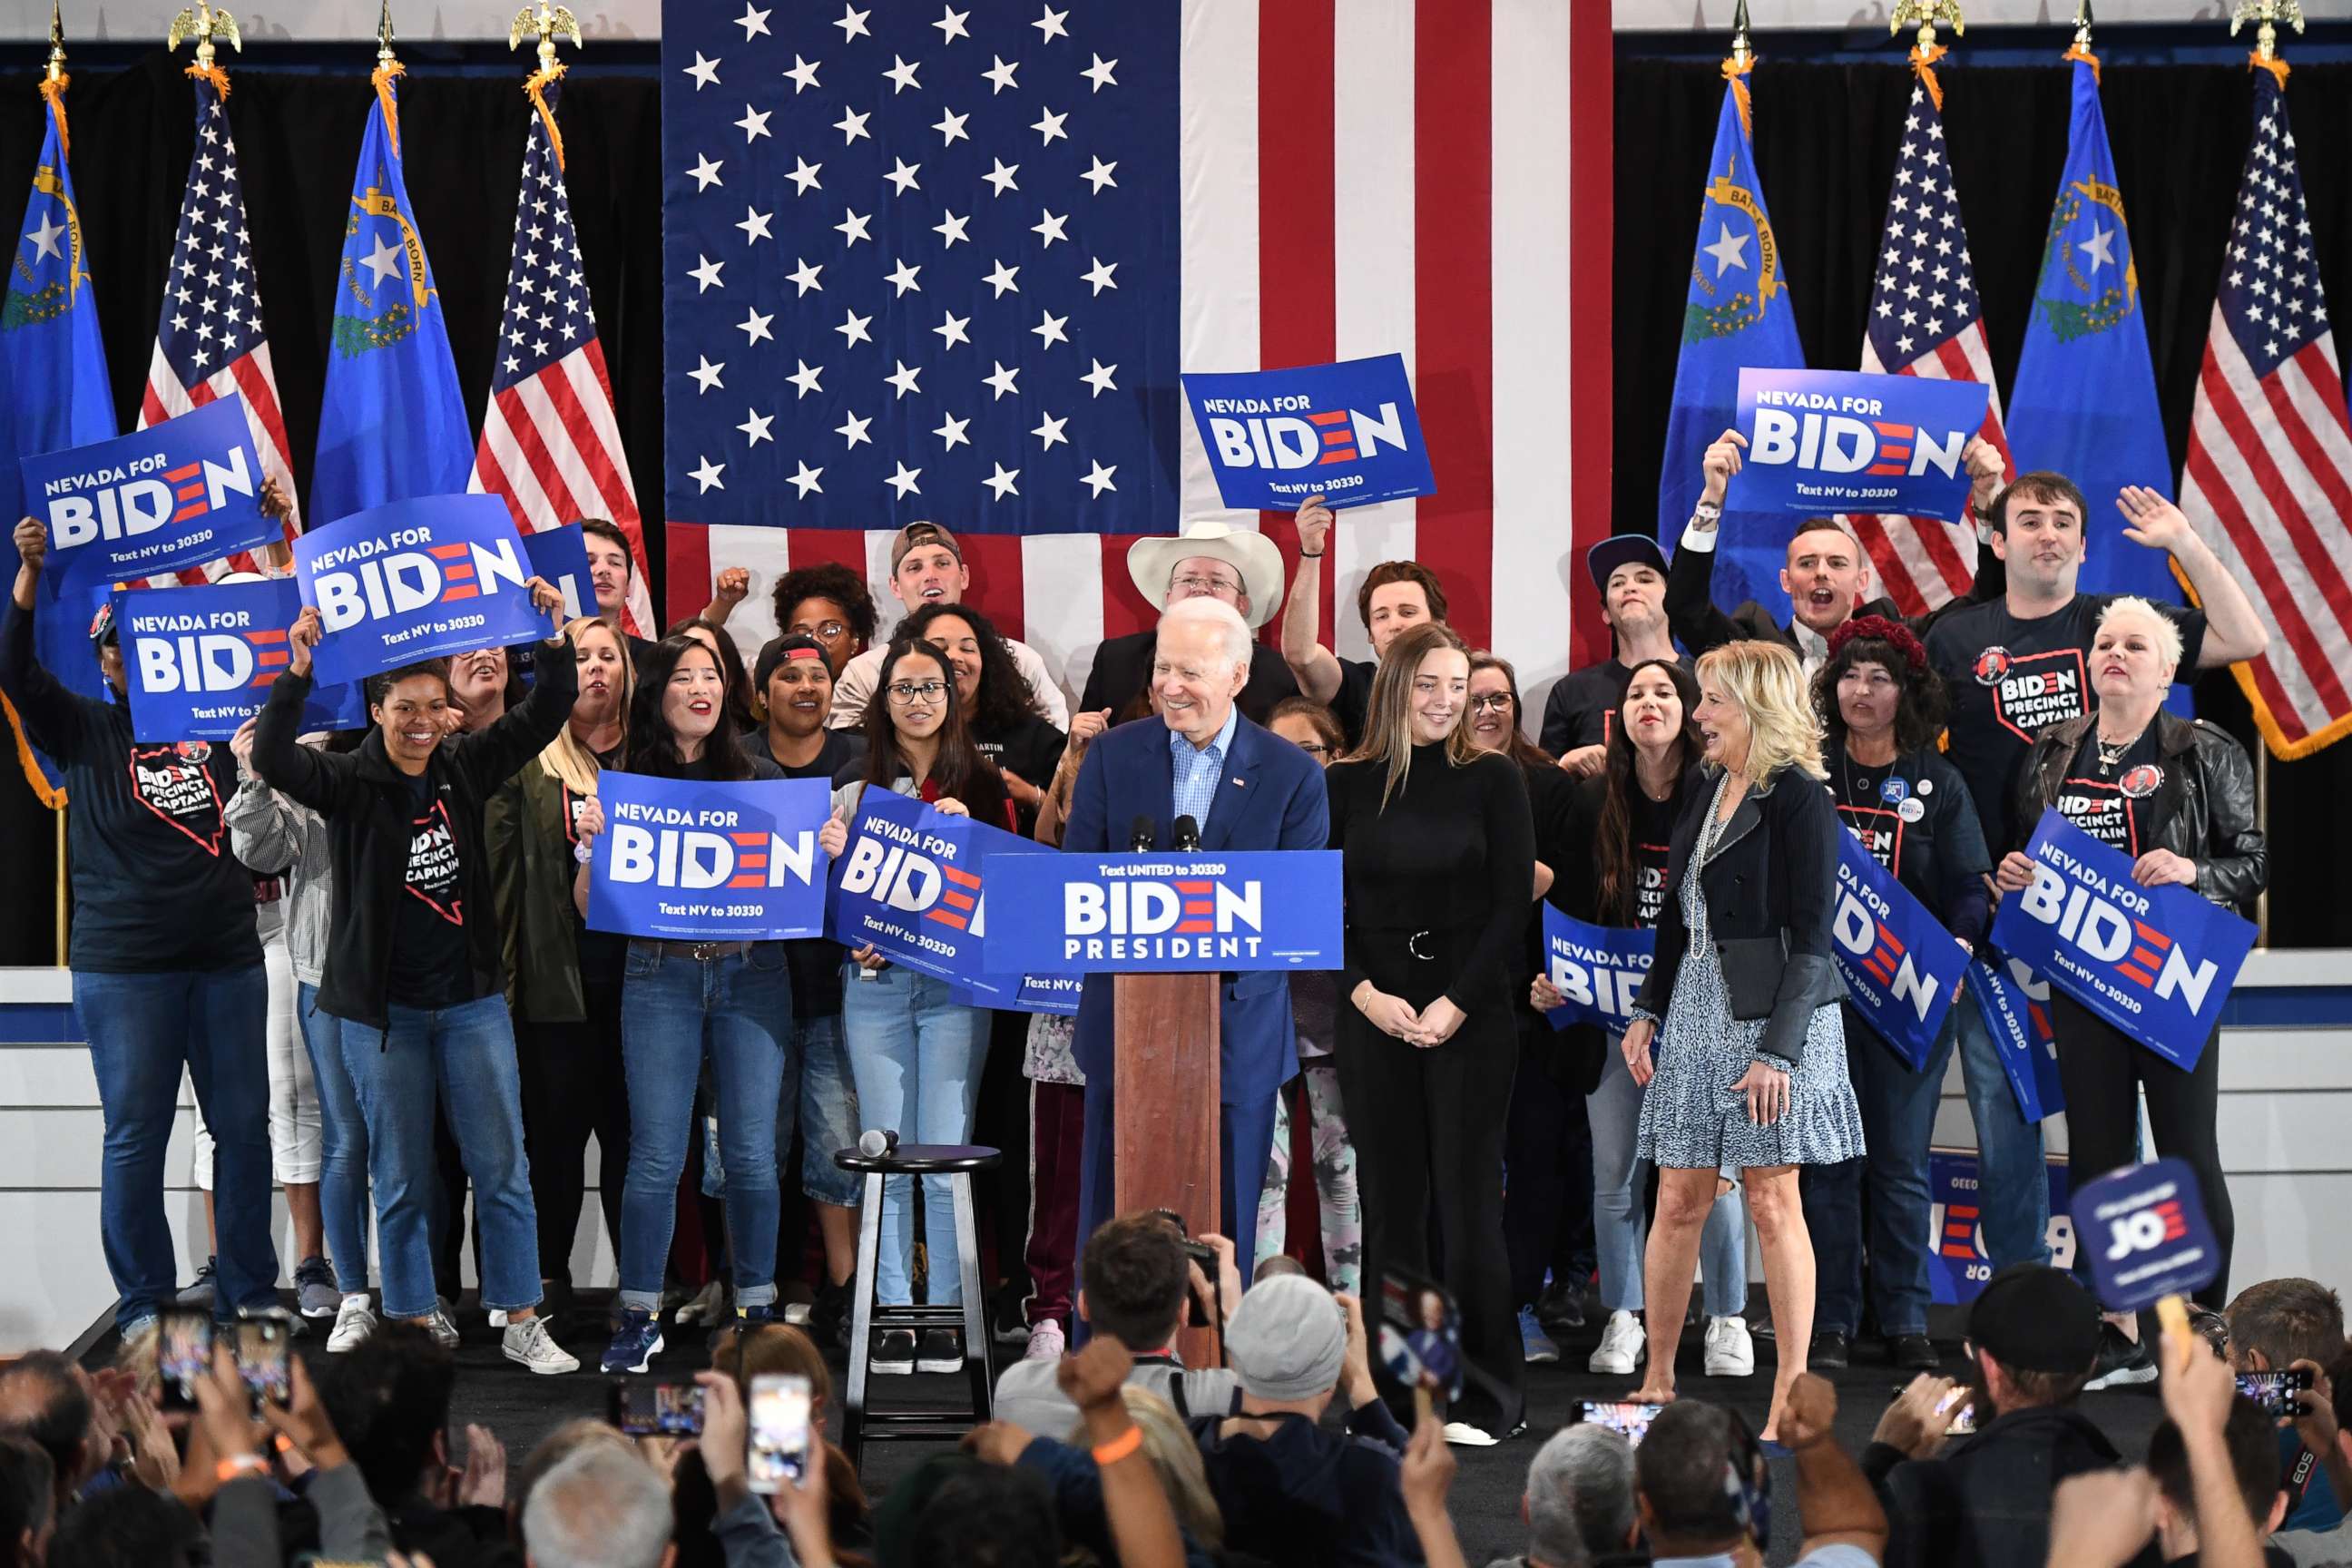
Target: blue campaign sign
x: 416, y: 579
x: 911, y: 882
x: 1153, y: 913
x: 176, y: 494
x: 1821, y: 441
x: 2156, y: 962
x: 1597, y: 968
x: 2143, y: 1231
x: 560, y: 555
x: 200, y: 661
x: 1958, y: 1262
x: 689, y: 860
x: 1901, y: 967
x: 1277, y: 437
x: 2015, y: 1005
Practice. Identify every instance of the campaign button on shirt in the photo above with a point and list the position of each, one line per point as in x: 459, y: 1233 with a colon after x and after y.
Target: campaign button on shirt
x: 174, y: 782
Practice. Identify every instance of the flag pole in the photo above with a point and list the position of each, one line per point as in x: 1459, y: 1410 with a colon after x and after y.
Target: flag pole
x: 53, y: 84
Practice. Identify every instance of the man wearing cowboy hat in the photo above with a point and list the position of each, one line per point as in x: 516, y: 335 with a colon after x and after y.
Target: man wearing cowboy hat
x: 1208, y: 560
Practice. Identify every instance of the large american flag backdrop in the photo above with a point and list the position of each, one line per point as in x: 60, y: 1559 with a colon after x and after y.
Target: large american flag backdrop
x: 947, y: 262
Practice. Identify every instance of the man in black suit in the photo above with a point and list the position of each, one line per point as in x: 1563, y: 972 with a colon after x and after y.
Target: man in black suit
x: 1828, y: 572
x: 1209, y: 560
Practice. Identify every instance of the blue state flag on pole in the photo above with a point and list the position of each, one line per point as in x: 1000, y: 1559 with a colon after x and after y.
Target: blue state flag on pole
x: 2084, y: 400
x: 393, y: 426
x: 53, y: 394
x: 1738, y: 314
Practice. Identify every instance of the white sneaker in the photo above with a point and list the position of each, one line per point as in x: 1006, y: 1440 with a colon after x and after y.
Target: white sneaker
x: 706, y: 1307
x: 444, y: 1332
x: 354, y: 1321
x: 1045, y: 1343
x: 1623, y: 1346
x: 1461, y: 1435
x: 498, y: 1316
x: 529, y: 1344
x: 1729, y: 1350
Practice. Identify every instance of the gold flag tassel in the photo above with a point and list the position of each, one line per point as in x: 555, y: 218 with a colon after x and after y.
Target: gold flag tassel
x: 387, y: 70
x: 1736, y: 67
x: 1928, y: 15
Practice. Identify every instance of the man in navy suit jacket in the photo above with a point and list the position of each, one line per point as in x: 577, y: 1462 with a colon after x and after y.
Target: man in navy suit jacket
x: 1247, y: 788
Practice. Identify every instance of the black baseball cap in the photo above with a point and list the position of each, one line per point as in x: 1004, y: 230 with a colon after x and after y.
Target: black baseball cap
x: 778, y: 650
x: 102, y: 629
x: 2034, y: 1317
x: 1619, y: 548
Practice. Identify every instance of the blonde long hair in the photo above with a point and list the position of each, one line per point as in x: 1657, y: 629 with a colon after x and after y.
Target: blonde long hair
x: 565, y: 759
x: 1177, y: 1459
x: 1769, y: 683
x: 1387, y: 714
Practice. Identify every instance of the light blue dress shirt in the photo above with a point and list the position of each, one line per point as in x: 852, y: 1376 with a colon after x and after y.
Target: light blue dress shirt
x: 1198, y: 769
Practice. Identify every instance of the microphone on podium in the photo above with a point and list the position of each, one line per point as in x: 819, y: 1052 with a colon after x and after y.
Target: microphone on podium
x: 877, y: 1142
x: 1186, y: 833
x: 1141, y: 833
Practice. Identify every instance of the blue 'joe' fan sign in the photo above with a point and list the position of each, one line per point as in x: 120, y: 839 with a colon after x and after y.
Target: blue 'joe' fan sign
x: 2143, y: 1230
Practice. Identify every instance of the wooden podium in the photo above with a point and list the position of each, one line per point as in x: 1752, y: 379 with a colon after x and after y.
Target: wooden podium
x: 1166, y: 1146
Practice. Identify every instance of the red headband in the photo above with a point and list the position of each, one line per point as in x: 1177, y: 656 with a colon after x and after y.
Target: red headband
x: 1878, y: 628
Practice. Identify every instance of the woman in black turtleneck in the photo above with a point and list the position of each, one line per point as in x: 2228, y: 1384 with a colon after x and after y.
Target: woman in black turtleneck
x: 1439, y: 850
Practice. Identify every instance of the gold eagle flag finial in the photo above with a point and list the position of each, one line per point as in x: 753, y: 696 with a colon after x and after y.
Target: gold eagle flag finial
x: 2266, y: 15
x: 547, y: 23
x: 204, y: 21
x: 1928, y: 15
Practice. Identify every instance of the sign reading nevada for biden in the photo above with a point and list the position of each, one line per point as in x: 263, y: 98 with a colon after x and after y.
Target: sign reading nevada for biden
x: 2015, y: 1005
x: 1277, y: 437
x: 1597, y: 969
x: 416, y: 579
x: 1901, y: 968
x: 200, y: 661
x: 1245, y: 909
x: 691, y: 860
x: 912, y: 883
x: 1825, y: 441
x: 176, y: 494
x: 2156, y: 962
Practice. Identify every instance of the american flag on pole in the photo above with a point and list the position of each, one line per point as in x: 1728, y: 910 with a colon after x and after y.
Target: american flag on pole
x: 1925, y: 319
x: 550, y: 445
x: 2268, y: 482
x: 210, y: 340
x: 947, y: 262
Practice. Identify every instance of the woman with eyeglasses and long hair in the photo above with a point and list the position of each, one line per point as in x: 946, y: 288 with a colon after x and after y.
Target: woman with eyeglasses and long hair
x: 1882, y: 709
x: 1438, y: 855
x: 915, y: 1051
x: 413, y: 964
x: 563, y: 981
x: 1626, y: 814
x: 1749, y: 1070
x: 683, y: 1003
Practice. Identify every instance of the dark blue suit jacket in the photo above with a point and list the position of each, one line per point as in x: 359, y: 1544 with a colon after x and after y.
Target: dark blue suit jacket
x: 1271, y: 798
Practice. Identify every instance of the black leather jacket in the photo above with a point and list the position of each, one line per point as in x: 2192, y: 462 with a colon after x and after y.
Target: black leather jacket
x: 2203, y: 811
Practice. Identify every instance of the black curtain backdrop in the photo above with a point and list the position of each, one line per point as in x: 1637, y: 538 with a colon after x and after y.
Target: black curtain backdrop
x: 1826, y: 137
x: 298, y: 127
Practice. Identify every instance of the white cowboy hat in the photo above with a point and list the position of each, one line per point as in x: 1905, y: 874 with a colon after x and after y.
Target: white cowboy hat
x: 1151, y: 561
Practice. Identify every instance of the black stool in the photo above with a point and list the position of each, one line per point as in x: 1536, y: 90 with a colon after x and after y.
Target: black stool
x: 956, y: 1162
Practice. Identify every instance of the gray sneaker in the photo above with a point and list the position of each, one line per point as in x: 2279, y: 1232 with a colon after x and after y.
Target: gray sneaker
x: 314, y: 1288
x: 529, y: 1344
x: 444, y: 1332
x: 200, y: 1290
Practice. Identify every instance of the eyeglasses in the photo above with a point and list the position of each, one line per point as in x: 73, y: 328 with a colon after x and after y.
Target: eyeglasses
x: 1493, y: 702
x: 1191, y: 584
x: 829, y: 631
x: 906, y: 693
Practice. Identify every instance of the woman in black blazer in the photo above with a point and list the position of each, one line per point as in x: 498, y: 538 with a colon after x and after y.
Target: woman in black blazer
x: 1741, y: 1002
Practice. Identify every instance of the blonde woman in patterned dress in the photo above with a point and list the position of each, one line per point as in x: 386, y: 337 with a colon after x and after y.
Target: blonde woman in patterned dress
x: 1748, y: 1071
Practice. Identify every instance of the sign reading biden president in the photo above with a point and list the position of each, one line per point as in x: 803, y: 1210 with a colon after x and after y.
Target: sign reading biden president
x: 709, y: 862
x: 1832, y: 440
x: 200, y: 661
x: 1277, y: 437
x: 2156, y: 962
x: 416, y: 579
x: 1159, y: 913
x: 176, y: 494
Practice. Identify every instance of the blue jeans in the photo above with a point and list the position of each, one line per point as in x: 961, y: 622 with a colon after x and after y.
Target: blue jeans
x: 1898, y: 1122
x: 1619, y: 1231
x: 917, y: 1058
x: 820, y: 1097
x: 343, y: 1145
x: 140, y: 1029
x: 2013, y: 1183
x: 464, y: 1056
x: 673, y: 1009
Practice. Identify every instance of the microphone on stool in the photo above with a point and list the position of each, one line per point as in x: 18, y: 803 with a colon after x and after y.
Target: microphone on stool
x: 1187, y: 833
x: 877, y: 1142
x: 1141, y: 833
